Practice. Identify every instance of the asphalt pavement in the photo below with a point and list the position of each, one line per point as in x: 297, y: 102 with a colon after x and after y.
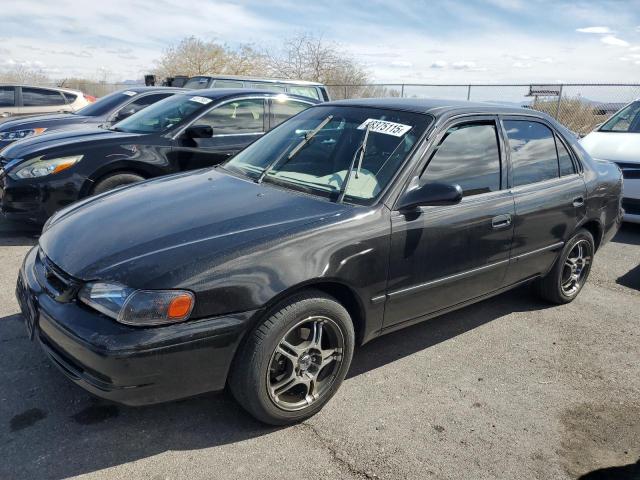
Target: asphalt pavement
x: 510, y: 388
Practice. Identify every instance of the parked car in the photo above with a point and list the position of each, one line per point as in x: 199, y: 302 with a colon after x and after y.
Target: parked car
x: 618, y: 140
x: 313, y: 90
x: 183, y: 132
x: 16, y: 100
x: 107, y: 110
x: 350, y: 220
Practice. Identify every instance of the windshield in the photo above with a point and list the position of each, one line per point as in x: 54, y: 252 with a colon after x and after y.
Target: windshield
x: 334, y: 137
x: 107, y: 104
x: 164, y: 115
x: 626, y: 120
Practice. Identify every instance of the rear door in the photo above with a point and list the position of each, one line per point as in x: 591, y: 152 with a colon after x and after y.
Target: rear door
x: 7, y: 101
x: 42, y: 100
x: 281, y: 109
x: 549, y: 194
x: 235, y: 124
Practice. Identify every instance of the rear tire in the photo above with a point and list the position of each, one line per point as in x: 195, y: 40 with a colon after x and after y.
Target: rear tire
x: 571, y: 270
x: 295, y: 360
x: 113, y: 181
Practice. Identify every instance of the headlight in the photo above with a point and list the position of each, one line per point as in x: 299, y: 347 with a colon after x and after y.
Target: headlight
x: 20, y: 134
x: 138, y: 307
x: 37, y: 167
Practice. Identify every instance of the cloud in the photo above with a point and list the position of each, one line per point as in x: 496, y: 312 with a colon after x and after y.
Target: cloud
x: 439, y: 64
x: 615, y: 41
x: 521, y: 65
x: 463, y: 65
x: 594, y: 30
x: 401, y: 64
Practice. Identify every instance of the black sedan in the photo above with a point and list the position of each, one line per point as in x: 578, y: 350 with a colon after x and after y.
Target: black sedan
x: 107, y: 110
x: 350, y: 220
x: 186, y: 131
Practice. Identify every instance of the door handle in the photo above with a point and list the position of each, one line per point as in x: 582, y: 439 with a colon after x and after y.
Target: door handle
x: 501, y: 221
x: 578, y: 201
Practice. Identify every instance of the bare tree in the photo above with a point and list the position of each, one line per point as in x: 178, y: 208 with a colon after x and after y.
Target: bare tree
x: 193, y: 56
x: 24, y: 74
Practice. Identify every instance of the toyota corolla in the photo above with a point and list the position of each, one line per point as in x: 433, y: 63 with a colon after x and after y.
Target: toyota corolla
x: 348, y: 221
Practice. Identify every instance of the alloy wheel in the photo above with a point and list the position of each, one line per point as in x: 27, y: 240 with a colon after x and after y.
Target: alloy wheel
x: 305, y: 363
x: 576, y: 268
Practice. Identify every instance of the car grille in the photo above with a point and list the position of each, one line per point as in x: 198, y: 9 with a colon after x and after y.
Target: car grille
x: 629, y: 170
x: 59, y: 285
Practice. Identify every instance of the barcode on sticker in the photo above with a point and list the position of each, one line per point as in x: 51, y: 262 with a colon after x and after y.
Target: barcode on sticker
x: 382, y: 126
x: 202, y: 100
x: 129, y: 93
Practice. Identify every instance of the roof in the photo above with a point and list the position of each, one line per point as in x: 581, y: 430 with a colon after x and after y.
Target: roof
x: 259, y: 79
x: 433, y: 106
x: 219, y: 93
x: 48, y: 87
x: 139, y: 89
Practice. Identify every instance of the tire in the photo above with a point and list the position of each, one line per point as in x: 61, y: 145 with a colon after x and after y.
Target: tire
x: 114, y: 181
x: 264, y: 362
x: 553, y: 287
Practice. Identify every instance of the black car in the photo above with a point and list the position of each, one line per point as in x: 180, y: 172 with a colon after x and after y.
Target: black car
x: 350, y: 220
x: 186, y: 131
x: 107, y: 110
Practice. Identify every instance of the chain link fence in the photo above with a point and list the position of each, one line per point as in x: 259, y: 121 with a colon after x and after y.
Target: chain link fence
x: 580, y: 107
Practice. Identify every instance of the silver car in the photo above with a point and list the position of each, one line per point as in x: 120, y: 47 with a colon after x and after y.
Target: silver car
x: 30, y: 100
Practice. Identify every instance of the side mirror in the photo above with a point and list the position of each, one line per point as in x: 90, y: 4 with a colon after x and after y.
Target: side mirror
x: 430, y: 194
x: 122, y: 114
x: 199, y: 131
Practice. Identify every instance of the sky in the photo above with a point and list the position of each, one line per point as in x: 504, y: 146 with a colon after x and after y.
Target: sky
x: 399, y: 41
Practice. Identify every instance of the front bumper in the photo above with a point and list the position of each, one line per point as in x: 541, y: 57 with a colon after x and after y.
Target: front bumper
x: 35, y: 200
x: 128, y: 365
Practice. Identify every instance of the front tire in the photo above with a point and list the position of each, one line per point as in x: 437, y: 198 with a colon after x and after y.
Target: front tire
x: 115, y: 181
x: 295, y: 360
x: 571, y: 270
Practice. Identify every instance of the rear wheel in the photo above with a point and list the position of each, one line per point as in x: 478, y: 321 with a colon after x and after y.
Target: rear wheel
x: 570, y: 272
x: 113, y: 181
x: 295, y: 361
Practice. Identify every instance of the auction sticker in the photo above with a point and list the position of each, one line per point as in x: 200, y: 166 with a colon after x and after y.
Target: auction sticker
x: 202, y: 100
x: 382, y: 126
x: 129, y: 93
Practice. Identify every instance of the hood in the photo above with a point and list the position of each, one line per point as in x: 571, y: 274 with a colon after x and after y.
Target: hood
x: 613, y: 146
x: 40, y: 121
x: 130, y: 234
x: 69, y: 139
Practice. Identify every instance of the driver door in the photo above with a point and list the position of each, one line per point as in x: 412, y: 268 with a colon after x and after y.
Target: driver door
x: 442, y: 256
x: 234, y: 124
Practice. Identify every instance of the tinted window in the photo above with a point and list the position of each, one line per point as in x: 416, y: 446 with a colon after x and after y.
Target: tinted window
x: 533, y: 152
x: 626, y: 120
x: 566, y: 164
x: 227, y: 84
x: 7, y: 97
x: 304, y: 91
x: 106, y: 104
x: 240, y: 116
x: 197, y: 82
x: 147, y: 100
x: 468, y: 155
x: 283, y: 109
x: 70, y: 97
x: 38, y: 97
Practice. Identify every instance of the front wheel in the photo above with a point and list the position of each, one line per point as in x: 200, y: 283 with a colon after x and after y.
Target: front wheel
x: 295, y: 361
x: 115, y: 181
x: 571, y: 270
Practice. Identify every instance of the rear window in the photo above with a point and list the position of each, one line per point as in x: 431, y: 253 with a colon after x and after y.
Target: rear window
x: 626, y: 120
x: 268, y: 86
x: 311, y: 92
x: 533, y: 152
x: 197, y: 83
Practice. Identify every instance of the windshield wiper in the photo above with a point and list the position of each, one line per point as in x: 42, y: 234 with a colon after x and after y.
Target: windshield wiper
x: 362, y: 149
x: 294, y: 151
